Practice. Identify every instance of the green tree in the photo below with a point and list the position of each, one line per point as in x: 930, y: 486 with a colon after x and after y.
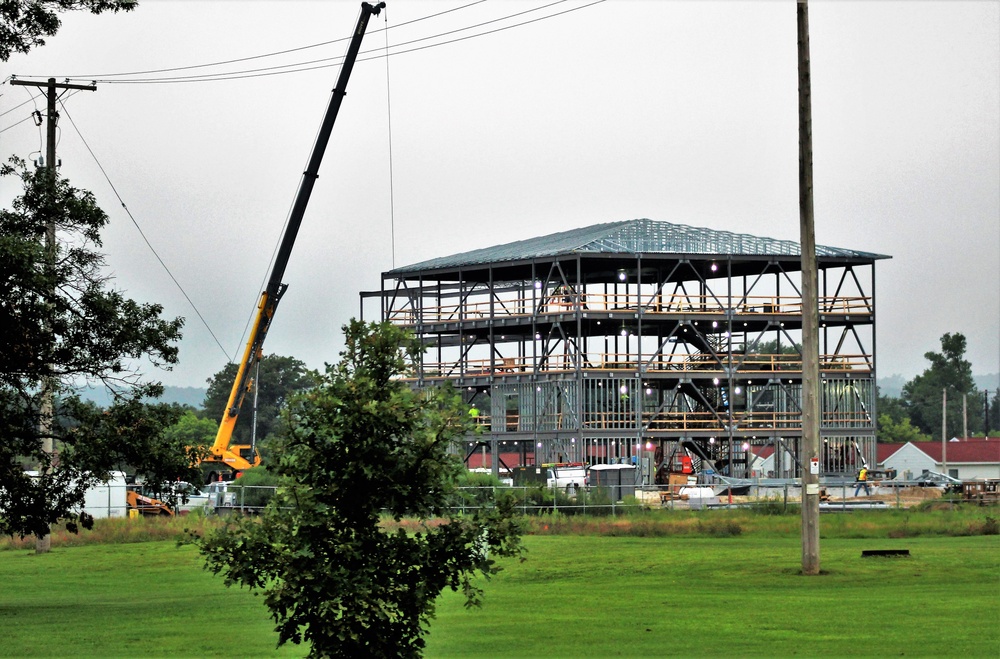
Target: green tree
x: 63, y: 325
x: 951, y: 374
x: 280, y: 377
x: 776, y: 347
x: 787, y: 355
x: 894, y: 421
x: 190, y: 430
x: 891, y: 406
x: 255, y: 487
x: 891, y: 431
x: 361, y: 444
x: 24, y: 24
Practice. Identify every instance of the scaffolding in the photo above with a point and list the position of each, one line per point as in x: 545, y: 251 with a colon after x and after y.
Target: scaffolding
x: 626, y: 342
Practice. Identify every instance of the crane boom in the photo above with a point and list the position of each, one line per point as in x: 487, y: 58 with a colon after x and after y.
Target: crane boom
x: 239, y: 457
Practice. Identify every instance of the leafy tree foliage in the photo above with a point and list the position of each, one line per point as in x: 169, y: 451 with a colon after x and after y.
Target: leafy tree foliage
x: 891, y: 406
x: 190, y: 430
x: 776, y: 347
x: 255, y: 487
x: 787, y: 355
x: 280, y: 377
x: 62, y: 324
x: 359, y: 445
x: 891, y: 431
x: 894, y: 421
x: 24, y: 24
x: 949, y: 371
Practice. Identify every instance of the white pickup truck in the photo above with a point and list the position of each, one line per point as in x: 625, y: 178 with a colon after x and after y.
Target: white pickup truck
x: 570, y: 477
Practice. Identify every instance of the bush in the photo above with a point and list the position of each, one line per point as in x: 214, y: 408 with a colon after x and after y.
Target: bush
x: 477, y: 479
x: 592, y: 501
x: 595, y: 500
x: 477, y: 489
x: 536, y: 499
x: 254, y: 488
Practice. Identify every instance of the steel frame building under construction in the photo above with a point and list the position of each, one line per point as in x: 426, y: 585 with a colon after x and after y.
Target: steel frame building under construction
x: 640, y: 341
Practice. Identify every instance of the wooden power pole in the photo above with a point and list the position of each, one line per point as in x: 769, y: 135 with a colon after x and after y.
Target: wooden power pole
x: 810, y: 310
x: 944, y: 431
x: 46, y: 412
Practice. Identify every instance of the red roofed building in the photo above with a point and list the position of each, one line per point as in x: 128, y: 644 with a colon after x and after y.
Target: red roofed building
x: 883, y: 451
x: 966, y: 459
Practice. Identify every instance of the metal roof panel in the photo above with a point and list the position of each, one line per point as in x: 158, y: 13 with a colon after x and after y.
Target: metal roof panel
x: 640, y: 236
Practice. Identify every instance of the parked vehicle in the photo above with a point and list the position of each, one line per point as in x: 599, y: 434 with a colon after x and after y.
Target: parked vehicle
x: 929, y: 478
x: 570, y: 476
x: 218, y: 495
x: 146, y: 506
x: 107, y: 499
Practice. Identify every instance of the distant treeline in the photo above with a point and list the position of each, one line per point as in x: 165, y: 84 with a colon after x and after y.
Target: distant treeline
x: 893, y: 384
x: 193, y: 396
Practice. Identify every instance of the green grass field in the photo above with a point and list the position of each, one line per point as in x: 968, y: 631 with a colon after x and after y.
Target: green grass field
x: 148, y: 599
x: 732, y: 597
x: 576, y: 595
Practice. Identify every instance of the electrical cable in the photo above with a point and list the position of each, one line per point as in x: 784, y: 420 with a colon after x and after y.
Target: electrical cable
x: 308, y: 65
x: 41, y: 135
x: 4, y: 130
x: 33, y: 98
x: 272, y: 54
x: 229, y: 75
x: 499, y: 29
x: 141, y: 233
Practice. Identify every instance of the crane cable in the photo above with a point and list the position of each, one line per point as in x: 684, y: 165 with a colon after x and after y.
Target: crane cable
x: 388, y: 110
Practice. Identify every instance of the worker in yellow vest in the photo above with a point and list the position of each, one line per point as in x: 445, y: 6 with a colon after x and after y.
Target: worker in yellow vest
x: 862, y: 482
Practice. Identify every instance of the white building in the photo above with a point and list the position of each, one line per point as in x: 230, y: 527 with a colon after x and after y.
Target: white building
x: 966, y: 459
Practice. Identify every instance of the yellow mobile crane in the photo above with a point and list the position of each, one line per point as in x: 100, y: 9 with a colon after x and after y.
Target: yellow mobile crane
x: 237, y: 457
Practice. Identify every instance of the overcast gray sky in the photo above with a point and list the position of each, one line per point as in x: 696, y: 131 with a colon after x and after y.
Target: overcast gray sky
x: 676, y: 111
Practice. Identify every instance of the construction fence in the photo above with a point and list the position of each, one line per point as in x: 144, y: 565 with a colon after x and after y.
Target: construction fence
x: 617, y: 499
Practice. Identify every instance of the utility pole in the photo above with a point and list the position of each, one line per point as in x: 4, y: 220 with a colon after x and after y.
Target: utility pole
x: 810, y: 310
x: 46, y: 411
x: 986, y: 412
x: 965, y: 416
x: 944, y: 431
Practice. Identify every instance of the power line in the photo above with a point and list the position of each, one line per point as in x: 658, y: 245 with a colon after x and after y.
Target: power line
x: 306, y: 66
x: 32, y: 99
x: 17, y: 123
x: 499, y: 29
x: 141, y: 233
x: 311, y: 65
x: 272, y: 54
x: 301, y: 67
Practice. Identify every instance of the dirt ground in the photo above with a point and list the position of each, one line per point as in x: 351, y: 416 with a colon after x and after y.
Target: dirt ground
x: 904, y: 497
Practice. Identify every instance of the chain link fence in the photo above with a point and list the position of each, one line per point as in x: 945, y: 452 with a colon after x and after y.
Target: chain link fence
x: 226, y: 498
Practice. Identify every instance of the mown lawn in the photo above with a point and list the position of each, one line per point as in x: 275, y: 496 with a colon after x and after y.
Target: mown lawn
x: 574, y: 596
x: 149, y: 599
x: 726, y: 597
